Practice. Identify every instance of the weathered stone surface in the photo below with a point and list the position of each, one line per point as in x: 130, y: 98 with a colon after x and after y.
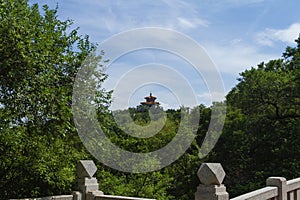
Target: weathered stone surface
x: 57, y: 197
x: 86, y: 168
x: 211, y: 192
x: 77, y: 195
x: 211, y: 174
x: 281, y: 184
x: 89, y: 188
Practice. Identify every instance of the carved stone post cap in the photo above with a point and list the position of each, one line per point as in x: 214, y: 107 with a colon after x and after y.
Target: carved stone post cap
x: 211, y: 173
x: 86, y: 168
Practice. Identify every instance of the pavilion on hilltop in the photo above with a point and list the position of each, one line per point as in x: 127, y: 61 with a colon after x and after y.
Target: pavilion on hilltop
x: 150, y: 101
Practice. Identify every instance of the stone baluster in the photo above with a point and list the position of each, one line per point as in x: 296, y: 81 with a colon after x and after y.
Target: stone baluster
x: 87, y: 184
x: 211, y: 176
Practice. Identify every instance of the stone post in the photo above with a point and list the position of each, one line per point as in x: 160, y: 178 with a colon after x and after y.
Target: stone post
x: 280, y: 183
x: 211, y: 176
x: 87, y: 184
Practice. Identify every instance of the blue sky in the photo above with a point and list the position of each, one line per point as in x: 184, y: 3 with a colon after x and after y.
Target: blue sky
x: 236, y: 34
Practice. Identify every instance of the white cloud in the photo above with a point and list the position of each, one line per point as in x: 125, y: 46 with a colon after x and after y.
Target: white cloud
x: 209, y: 22
x: 192, y: 23
x: 230, y: 58
x: 111, y: 17
x: 221, y: 5
x: 235, y: 56
x: 288, y: 35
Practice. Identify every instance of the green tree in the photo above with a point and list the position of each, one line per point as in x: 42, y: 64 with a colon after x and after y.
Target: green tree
x: 261, y: 133
x: 39, y: 59
x: 179, y: 179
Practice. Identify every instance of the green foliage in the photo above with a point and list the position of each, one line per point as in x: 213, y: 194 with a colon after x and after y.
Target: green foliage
x: 149, y: 185
x: 176, y: 181
x: 39, y: 58
x: 261, y: 133
x: 39, y: 145
x: 162, y: 129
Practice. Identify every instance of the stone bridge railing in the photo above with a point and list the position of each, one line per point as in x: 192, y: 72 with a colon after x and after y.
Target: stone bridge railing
x: 211, y: 176
x: 88, y: 185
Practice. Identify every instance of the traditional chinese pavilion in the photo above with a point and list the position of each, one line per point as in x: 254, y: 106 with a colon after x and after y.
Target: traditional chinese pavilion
x: 150, y: 101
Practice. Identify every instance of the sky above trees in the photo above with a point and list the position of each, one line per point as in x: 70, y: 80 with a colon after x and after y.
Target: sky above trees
x: 235, y: 34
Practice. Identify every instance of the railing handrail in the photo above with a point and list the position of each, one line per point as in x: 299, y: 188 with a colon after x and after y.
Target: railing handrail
x: 56, y: 197
x: 263, y: 193
x: 293, y: 184
x: 112, y: 197
x: 211, y: 176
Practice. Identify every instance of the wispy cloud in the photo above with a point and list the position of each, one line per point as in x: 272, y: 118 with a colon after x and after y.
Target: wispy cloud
x: 236, y: 34
x: 117, y: 16
x: 221, y: 5
x: 235, y: 56
x: 269, y: 36
x: 192, y: 23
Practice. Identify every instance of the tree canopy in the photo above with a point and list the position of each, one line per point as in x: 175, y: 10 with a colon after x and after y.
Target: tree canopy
x: 39, y: 58
x: 39, y: 145
x: 261, y: 133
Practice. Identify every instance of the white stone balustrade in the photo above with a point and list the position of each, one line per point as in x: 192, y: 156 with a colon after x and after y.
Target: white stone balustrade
x: 211, y: 176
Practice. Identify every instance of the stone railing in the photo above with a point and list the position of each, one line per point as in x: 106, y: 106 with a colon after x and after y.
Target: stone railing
x: 88, y: 185
x: 57, y: 197
x: 211, y: 176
